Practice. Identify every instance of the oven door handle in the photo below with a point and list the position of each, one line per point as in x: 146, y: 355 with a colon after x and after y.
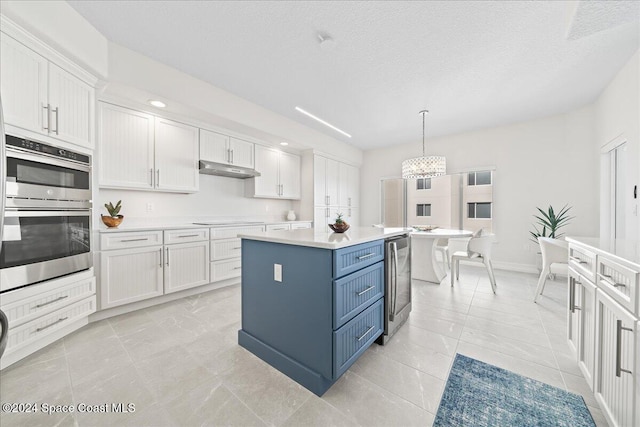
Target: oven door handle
x: 37, y: 214
x: 4, y: 333
x: 16, y: 153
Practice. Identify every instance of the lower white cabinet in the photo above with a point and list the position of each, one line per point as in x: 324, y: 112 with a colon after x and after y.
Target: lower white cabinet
x: 278, y: 227
x: 226, y: 251
x: 616, y: 375
x: 45, y: 312
x: 581, y: 323
x: 300, y: 225
x: 129, y: 275
x: 186, y: 265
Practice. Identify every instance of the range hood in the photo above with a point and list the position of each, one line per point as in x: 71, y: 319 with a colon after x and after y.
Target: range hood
x: 220, y: 169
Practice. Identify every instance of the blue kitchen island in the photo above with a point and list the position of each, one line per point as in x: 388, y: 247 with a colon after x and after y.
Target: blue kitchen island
x: 313, y: 301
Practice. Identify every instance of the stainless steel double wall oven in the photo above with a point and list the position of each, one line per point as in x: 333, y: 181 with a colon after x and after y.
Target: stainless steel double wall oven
x: 47, y: 213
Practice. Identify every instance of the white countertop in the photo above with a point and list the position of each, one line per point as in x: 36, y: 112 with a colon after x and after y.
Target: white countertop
x: 169, y: 225
x: 326, y: 239
x: 624, y: 250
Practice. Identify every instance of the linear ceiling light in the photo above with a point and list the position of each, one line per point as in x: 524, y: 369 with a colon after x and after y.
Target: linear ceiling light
x: 322, y: 121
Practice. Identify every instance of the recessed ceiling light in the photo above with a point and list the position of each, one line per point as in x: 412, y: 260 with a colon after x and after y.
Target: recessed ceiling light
x: 157, y: 103
x: 284, y: 143
x: 322, y: 121
x: 326, y: 42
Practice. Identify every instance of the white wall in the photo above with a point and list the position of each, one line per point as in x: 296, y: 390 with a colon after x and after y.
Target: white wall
x: 618, y: 119
x: 537, y: 163
x: 60, y: 25
x: 219, y: 197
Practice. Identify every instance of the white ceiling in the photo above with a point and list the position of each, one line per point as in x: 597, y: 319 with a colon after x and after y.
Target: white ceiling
x: 473, y: 64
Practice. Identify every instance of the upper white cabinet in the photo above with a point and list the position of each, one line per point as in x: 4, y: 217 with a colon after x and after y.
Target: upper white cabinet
x: 216, y: 147
x: 279, y: 174
x: 176, y: 156
x: 41, y: 97
x: 140, y: 151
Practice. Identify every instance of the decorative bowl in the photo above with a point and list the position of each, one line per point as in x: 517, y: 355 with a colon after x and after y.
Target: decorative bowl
x: 112, y: 222
x: 339, y: 228
x: 424, y: 227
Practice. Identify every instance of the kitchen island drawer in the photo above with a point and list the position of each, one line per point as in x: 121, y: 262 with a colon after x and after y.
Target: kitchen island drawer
x: 583, y: 261
x: 353, y: 258
x: 186, y: 235
x: 225, y: 249
x: 53, y: 296
x: 128, y: 240
x: 619, y: 282
x: 226, y: 269
x: 232, y: 232
x: 356, y: 291
x: 32, y: 331
x: 351, y: 340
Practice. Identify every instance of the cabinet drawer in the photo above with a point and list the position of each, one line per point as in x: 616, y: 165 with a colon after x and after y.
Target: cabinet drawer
x: 350, y: 341
x: 186, y: 235
x: 128, y: 240
x: 225, y: 249
x: 52, y: 298
x: 583, y: 261
x: 227, y: 269
x: 32, y: 331
x: 232, y: 232
x: 354, y: 258
x: 356, y: 291
x: 278, y: 227
x: 619, y: 282
x: 300, y: 225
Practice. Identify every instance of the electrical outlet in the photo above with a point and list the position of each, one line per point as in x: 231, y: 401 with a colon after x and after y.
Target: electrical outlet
x: 277, y: 272
x: 149, y: 207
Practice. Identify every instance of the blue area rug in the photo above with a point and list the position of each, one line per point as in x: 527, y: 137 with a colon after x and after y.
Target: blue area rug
x: 479, y: 394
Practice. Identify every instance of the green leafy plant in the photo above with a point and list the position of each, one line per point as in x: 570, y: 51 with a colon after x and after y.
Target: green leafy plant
x: 550, y: 221
x: 113, y: 210
x: 339, y: 219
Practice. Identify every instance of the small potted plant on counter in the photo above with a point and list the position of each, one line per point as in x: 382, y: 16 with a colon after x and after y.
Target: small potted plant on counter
x: 340, y: 225
x: 113, y: 220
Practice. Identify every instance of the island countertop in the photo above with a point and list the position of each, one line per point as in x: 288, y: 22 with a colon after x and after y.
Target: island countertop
x: 326, y: 239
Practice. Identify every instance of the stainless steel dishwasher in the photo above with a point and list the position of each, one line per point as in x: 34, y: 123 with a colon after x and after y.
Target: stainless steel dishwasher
x: 397, y: 296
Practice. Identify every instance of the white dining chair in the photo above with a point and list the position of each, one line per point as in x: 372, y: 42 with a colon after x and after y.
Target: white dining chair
x: 442, y: 247
x: 555, y: 259
x: 478, y: 250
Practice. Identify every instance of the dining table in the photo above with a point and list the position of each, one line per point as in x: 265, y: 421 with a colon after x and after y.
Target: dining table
x: 424, y: 265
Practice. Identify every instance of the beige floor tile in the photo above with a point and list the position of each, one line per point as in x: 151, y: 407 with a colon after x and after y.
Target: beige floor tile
x: 315, y: 412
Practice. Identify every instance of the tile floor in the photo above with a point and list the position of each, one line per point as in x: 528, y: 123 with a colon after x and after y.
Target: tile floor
x: 180, y: 364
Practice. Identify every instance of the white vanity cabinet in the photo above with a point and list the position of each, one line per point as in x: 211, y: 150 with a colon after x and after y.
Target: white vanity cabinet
x: 216, y: 147
x: 139, y: 151
x: 279, y: 174
x: 603, y: 323
x: 41, y: 96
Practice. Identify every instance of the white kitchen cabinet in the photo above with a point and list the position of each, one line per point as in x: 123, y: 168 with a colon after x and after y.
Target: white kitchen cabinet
x: 216, y: 147
x: 581, y: 322
x: 139, y: 151
x: 278, y: 227
x: 176, y: 156
x: 322, y: 215
x: 348, y: 188
x: 186, y: 265
x: 129, y: 275
x: 126, y: 147
x: 280, y: 175
x: 41, y: 97
x: 325, y: 181
x: 351, y: 215
x: 616, y: 375
x: 300, y: 225
x: 226, y: 251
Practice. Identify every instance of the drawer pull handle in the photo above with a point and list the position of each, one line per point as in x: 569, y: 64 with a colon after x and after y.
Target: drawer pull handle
x: 134, y: 240
x: 237, y: 247
x: 365, y: 291
x: 578, y: 260
x: 619, y: 329
x: 610, y: 283
x: 364, y: 256
x: 50, y: 302
x: 361, y: 337
x: 62, y: 319
x: 188, y: 235
x: 237, y: 268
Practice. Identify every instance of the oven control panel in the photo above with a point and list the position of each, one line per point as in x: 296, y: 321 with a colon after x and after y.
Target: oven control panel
x: 39, y: 147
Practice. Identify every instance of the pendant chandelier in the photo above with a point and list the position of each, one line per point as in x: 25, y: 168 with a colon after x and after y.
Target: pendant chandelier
x: 425, y: 166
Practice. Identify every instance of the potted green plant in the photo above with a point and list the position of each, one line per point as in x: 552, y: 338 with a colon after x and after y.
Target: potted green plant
x: 114, y: 219
x: 548, y: 224
x: 339, y: 225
